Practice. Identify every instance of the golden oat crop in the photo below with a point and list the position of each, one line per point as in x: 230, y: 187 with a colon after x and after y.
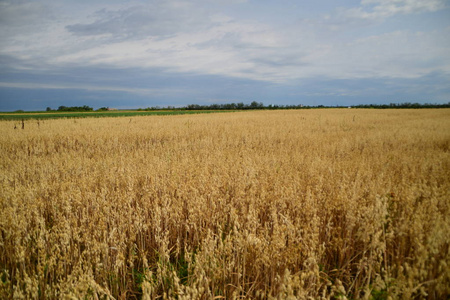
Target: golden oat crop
x: 258, y: 205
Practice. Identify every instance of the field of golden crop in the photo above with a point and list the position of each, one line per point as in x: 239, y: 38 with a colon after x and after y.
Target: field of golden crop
x: 306, y: 204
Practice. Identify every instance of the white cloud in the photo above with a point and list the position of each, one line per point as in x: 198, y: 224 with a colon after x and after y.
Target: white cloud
x: 380, y: 9
x: 398, y: 54
x: 157, y: 20
x: 87, y: 87
x: 406, y: 6
x: 21, y: 14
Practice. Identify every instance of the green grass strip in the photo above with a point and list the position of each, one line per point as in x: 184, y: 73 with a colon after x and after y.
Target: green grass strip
x: 59, y: 115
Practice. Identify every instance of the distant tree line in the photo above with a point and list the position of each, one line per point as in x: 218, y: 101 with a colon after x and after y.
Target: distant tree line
x: 260, y: 105
x: 72, y: 108
x: 403, y: 105
x: 226, y: 106
x: 256, y: 105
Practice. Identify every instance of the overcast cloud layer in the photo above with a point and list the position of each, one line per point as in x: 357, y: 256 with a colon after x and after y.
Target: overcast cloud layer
x: 131, y: 54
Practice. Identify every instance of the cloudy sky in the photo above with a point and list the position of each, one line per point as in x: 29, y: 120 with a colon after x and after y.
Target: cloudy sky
x: 136, y: 53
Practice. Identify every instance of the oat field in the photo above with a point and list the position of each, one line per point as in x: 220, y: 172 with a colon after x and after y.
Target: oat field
x: 302, y: 204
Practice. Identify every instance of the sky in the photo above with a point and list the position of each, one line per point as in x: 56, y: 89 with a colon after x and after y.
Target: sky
x: 137, y: 54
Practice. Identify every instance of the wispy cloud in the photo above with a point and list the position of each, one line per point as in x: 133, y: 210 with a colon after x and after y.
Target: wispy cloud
x: 389, y: 8
x: 44, y: 86
x: 158, y: 20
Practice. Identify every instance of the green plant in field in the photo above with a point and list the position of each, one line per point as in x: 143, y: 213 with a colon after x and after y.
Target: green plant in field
x: 379, y: 294
x: 96, y: 114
